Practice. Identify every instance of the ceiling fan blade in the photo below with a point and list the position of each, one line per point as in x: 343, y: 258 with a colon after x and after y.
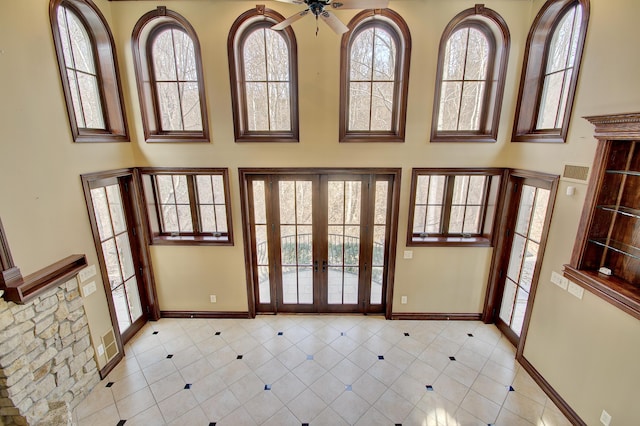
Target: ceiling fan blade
x: 290, y: 20
x: 359, y: 4
x: 334, y: 23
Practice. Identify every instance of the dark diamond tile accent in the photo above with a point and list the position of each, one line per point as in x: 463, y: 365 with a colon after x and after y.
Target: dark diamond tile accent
x: 406, y: 334
x: 267, y: 387
x: 170, y: 356
x: 398, y: 424
x: 469, y: 334
x: 342, y: 333
x: 212, y: 424
x: 109, y: 384
x: 239, y: 357
x: 280, y: 333
x: 187, y: 386
x: 155, y: 332
x: 217, y: 333
x: 452, y: 358
x: 305, y: 424
x: 348, y: 388
x: 380, y: 356
x: 121, y: 423
x: 511, y: 389
x: 429, y: 388
x: 310, y: 357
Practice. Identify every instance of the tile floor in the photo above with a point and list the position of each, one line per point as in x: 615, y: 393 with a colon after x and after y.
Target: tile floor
x: 317, y: 370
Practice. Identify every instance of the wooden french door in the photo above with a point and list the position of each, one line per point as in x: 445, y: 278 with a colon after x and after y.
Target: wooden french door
x: 320, y: 242
x: 530, y: 198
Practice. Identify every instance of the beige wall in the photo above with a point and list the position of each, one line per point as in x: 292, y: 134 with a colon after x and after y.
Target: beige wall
x: 585, y: 348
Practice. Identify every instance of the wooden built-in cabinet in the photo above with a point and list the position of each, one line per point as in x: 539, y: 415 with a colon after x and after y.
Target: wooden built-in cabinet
x: 609, y: 232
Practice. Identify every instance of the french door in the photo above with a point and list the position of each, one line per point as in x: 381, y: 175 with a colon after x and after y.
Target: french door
x: 116, y: 231
x: 530, y: 198
x: 320, y: 242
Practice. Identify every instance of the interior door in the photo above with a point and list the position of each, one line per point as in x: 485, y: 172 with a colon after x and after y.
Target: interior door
x: 530, y: 203
x: 320, y: 242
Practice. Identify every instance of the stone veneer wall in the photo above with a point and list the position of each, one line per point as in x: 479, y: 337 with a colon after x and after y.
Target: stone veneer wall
x: 46, y: 359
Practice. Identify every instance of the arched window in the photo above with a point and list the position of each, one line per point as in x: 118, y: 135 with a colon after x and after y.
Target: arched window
x: 170, y: 79
x: 472, y: 64
x: 375, y: 57
x: 263, y: 68
x: 88, y: 71
x: 550, y: 71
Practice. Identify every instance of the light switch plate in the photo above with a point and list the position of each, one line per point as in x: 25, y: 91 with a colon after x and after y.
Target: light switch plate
x: 564, y: 283
x: 87, y: 273
x: 576, y: 290
x: 556, y: 278
x: 88, y: 289
x: 408, y: 254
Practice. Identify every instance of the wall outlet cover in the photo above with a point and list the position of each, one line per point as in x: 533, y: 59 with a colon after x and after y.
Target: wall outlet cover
x: 87, y: 273
x: 605, y: 418
x: 403, y: 300
x: 213, y: 298
x: 408, y: 254
x: 556, y: 278
x: 564, y: 283
x: 575, y: 290
x: 88, y: 289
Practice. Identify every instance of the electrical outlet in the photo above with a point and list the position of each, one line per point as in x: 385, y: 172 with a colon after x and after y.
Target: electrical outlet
x: 408, y: 254
x: 575, y: 290
x: 556, y: 278
x: 605, y: 418
x: 403, y: 300
x: 213, y: 298
x: 100, y: 350
x: 88, y: 289
x: 564, y: 283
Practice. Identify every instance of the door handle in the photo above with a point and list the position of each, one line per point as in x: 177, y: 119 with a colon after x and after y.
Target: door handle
x: 324, y: 266
x: 315, y: 266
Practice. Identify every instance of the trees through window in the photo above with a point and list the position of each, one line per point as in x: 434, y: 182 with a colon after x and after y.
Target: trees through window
x: 374, y: 77
x: 470, y: 79
x: 263, y: 69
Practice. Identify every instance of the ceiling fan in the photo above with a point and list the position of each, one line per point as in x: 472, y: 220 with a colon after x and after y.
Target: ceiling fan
x: 317, y: 8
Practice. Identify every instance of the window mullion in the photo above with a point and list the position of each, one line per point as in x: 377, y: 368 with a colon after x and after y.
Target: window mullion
x: 193, y: 204
x: 373, y: 59
x: 266, y: 77
x: 177, y: 81
x: 566, y: 66
x: 426, y: 210
x: 464, y: 72
x: 446, y: 208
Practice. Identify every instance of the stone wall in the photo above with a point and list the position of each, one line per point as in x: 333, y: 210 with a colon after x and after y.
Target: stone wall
x: 46, y: 356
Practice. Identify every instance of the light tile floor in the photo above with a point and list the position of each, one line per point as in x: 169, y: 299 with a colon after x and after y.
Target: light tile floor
x: 318, y: 370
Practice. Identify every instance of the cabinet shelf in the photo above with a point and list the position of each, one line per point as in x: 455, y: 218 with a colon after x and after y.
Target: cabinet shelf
x: 624, y: 172
x: 626, y: 211
x: 620, y: 247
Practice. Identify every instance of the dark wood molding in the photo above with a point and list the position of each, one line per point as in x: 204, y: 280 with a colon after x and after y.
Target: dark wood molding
x: 438, y: 316
x: 562, y: 405
x: 144, y: 31
x: 616, y: 126
x: 23, y: 290
x: 104, y: 371
x: 398, y: 29
x: 252, y: 19
x: 205, y: 314
x: 108, y: 73
x: 495, y: 29
x: 532, y: 77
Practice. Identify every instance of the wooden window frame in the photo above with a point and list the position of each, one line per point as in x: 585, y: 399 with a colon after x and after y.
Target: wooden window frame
x: 108, y: 75
x: 494, y: 27
x: 487, y: 236
x: 244, y: 25
x: 395, y: 25
x: 143, y: 35
x: 533, y: 72
x: 196, y: 238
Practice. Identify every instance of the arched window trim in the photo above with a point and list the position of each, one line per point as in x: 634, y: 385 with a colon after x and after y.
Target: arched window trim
x: 106, y: 63
x: 144, y: 32
x: 535, y: 62
x: 399, y: 30
x: 495, y: 28
x: 244, y: 25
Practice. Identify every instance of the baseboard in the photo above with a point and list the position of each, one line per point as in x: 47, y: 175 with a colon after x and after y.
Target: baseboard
x: 562, y: 405
x: 203, y: 314
x: 435, y: 316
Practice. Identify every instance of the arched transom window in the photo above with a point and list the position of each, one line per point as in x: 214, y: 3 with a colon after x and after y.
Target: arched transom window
x: 375, y: 66
x: 263, y: 70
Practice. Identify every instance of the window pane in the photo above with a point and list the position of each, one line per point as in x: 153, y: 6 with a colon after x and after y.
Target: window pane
x: 287, y: 199
x: 461, y: 184
x: 515, y: 260
x: 384, y: 61
x: 75, y: 98
x: 124, y: 253
x: 221, y: 218
x: 303, y: 203
x: 163, y: 54
x: 352, y: 203
x: 169, y: 102
x: 115, y: 207
x: 382, y: 106
x: 112, y: 262
x: 476, y: 190
x: 181, y: 189
x: 519, y: 311
x: 122, y: 309
x: 359, y: 106
x: 254, y: 57
x: 376, y: 285
x: 304, y: 245
x: 207, y: 218
x: 205, y: 192
x: 361, y: 59
x: 450, y: 93
x: 170, y: 219
x: 436, y: 189
x: 453, y: 67
x: 185, y: 56
x: 434, y: 220
x: 565, y: 97
x: 80, y: 45
x: 277, y: 56
x: 471, y: 105
x: 336, y: 245
x: 550, y: 100
x: 133, y: 297
x: 259, y: 207
x: 422, y: 189
x: 102, y: 212
x: 164, y: 185
x: 190, y: 95
x: 539, y: 213
x: 264, y: 286
x: 528, y: 265
x: 279, y: 107
x: 471, y: 220
x: 419, y: 217
x: 382, y: 188
x: 508, y: 298
x: 477, y: 56
x: 379, y: 233
x: 257, y: 106
x: 90, y: 98
x: 64, y: 36
x: 184, y: 218
x: 336, y: 202
x: 561, y: 43
x: 218, y: 189
x: 524, y: 211
x: 456, y: 219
